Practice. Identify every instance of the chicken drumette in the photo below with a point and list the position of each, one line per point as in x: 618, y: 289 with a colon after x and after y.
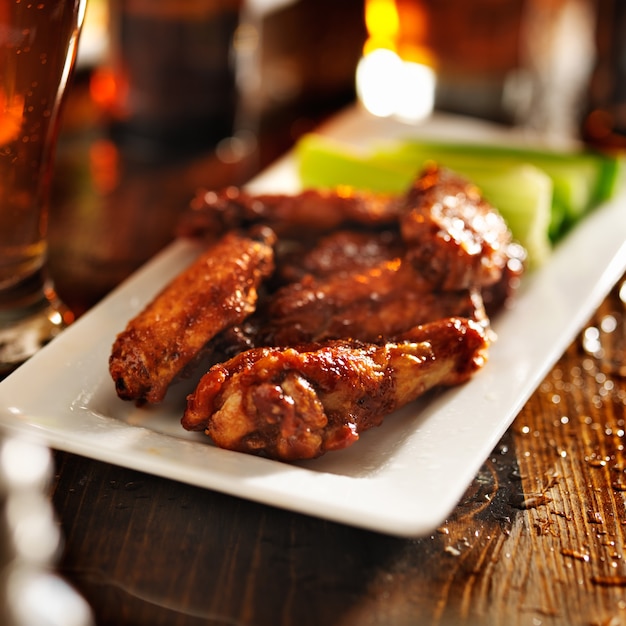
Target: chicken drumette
x: 300, y: 402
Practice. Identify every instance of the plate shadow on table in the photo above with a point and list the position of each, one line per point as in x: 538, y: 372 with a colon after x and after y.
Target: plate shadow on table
x: 368, y: 577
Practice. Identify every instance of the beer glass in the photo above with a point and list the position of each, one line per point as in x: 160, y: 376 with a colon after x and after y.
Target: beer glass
x: 38, y: 43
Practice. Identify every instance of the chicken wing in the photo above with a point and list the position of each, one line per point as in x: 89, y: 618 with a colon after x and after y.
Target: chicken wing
x: 298, y: 403
x: 308, y: 213
x: 355, y: 285
x: 363, y: 304
x: 215, y: 292
x: 454, y: 236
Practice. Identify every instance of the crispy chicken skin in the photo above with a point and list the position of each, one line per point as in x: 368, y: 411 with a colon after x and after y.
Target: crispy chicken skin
x: 308, y: 213
x: 298, y: 403
x: 217, y: 291
x: 356, y: 285
x: 454, y: 236
x: 363, y: 304
x: 496, y: 295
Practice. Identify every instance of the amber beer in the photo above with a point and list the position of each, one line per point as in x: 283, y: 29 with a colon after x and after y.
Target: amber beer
x: 37, y: 51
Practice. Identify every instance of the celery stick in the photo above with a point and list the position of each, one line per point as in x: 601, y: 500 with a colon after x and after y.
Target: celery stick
x: 326, y: 163
x: 581, y: 179
x: 522, y: 193
x: 611, y: 177
x: 575, y: 176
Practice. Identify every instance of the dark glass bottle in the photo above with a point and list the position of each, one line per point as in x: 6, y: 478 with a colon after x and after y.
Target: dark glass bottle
x: 173, y: 61
x: 604, y: 123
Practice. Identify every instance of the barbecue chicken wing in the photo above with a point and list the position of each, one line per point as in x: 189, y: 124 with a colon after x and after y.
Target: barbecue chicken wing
x: 298, y: 403
x: 453, y: 235
x: 215, y: 292
x: 308, y: 213
x: 355, y: 285
x: 365, y: 304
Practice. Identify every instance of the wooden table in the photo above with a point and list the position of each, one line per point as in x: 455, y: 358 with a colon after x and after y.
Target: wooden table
x: 538, y: 538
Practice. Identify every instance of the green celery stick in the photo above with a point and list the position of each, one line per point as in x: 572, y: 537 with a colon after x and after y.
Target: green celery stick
x: 522, y: 193
x: 580, y: 179
x: 326, y: 163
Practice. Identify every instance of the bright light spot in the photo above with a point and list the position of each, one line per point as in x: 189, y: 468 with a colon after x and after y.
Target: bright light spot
x: 417, y: 92
x: 383, y: 24
x: 30, y: 520
x: 608, y: 324
x: 24, y: 464
x: 36, y: 597
x: 388, y: 86
x: 377, y: 78
x: 56, y: 318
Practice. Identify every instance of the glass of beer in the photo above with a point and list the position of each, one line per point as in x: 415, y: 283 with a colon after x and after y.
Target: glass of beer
x: 38, y: 43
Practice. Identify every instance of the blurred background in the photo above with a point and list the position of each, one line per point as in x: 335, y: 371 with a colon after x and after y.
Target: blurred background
x: 185, y: 72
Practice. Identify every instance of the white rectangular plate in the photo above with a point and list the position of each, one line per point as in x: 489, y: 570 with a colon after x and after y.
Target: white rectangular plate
x: 403, y: 478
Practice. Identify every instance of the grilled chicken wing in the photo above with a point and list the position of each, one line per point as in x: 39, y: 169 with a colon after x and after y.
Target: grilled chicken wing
x: 454, y: 236
x: 363, y: 304
x: 215, y: 292
x: 308, y: 213
x: 355, y: 285
x: 298, y: 403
